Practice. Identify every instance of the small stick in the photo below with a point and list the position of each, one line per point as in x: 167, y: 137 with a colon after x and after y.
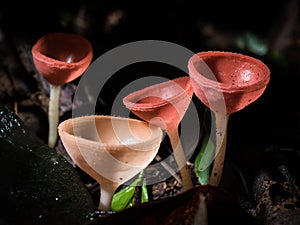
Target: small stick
x: 285, y: 172
x: 169, y: 169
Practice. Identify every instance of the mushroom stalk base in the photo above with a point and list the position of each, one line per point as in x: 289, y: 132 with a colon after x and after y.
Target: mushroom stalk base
x: 107, y: 190
x: 53, y: 114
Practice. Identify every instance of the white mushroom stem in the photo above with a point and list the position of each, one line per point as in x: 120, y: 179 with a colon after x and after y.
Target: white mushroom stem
x: 107, y: 190
x: 221, y: 137
x: 53, y: 114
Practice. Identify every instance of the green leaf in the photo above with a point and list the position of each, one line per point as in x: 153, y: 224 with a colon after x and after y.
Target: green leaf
x: 204, y: 159
x: 145, y: 197
x: 252, y: 43
x: 122, y: 198
x: 125, y: 197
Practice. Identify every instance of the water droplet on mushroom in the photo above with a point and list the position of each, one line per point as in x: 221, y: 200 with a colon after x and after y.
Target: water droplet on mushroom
x: 246, y: 75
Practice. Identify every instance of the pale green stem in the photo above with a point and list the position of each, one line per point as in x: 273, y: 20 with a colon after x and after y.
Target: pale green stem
x: 53, y: 114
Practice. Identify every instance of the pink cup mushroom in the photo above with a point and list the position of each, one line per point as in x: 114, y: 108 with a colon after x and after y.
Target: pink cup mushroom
x: 226, y: 82
x: 110, y: 149
x: 60, y: 58
x: 164, y: 105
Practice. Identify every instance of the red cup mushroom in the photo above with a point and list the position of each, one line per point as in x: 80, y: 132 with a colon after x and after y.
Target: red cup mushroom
x: 226, y: 82
x: 60, y: 58
x: 164, y: 105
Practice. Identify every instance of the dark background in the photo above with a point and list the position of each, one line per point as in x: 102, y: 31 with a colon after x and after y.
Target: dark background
x: 239, y: 26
